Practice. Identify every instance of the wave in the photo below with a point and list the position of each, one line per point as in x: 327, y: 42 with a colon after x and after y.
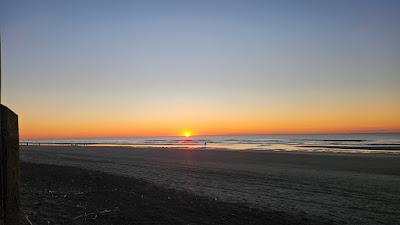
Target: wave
x: 246, y: 142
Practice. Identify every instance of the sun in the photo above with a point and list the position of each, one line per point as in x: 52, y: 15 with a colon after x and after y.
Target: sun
x: 187, y: 133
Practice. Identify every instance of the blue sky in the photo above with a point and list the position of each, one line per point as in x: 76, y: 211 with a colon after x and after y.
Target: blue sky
x: 256, y: 58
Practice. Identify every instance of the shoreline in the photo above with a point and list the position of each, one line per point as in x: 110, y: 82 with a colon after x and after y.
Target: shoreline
x: 373, y: 150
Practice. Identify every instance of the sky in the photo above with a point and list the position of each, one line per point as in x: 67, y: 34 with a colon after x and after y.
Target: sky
x: 97, y: 68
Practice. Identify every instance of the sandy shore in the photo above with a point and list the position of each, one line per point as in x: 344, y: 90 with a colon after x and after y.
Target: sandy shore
x: 70, y: 195
x: 340, y: 188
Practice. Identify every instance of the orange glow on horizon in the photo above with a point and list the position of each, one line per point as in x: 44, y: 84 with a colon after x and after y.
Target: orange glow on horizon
x: 211, y: 119
x: 212, y: 129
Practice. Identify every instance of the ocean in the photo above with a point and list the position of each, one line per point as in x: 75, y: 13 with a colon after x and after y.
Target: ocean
x: 350, y: 143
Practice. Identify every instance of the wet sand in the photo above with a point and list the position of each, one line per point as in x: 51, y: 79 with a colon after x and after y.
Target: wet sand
x: 339, y: 188
x: 383, y: 148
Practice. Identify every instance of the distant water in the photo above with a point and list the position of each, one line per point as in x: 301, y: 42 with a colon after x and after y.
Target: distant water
x: 361, y: 143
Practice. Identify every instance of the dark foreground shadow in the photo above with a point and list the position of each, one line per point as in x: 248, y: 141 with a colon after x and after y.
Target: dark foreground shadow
x: 67, y: 195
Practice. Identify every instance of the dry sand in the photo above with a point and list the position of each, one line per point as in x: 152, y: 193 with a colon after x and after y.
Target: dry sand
x: 75, y: 196
x: 343, y: 188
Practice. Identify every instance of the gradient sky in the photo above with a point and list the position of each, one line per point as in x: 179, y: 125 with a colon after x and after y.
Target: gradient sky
x: 81, y: 68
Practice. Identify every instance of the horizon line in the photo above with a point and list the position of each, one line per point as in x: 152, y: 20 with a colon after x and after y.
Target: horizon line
x: 226, y: 134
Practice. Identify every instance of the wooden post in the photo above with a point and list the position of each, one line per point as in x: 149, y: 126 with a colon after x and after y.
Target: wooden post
x: 10, y: 167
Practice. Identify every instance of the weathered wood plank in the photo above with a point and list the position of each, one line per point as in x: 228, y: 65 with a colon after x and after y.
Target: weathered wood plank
x: 10, y: 166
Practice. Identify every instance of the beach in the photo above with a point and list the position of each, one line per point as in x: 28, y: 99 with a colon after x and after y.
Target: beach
x: 69, y: 195
x: 330, y: 188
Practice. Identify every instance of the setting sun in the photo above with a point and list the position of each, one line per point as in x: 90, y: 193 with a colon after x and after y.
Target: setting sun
x: 187, y: 133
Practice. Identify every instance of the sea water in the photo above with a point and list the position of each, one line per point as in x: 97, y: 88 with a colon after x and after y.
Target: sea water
x: 353, y: 142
